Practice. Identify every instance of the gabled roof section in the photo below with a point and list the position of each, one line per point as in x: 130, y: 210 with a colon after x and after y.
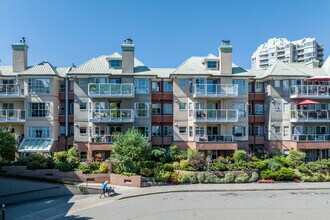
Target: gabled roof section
x: 115, y: 55
x: 7, y: 71
x: 282, y: 69
x: 193, y: 65
x: 44, y: 68
x: 211, y: 57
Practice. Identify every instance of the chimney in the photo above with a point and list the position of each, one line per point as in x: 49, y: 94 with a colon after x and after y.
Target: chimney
x: 313, y: 64
x: 225, y: 53
x: 20, y: 55
x: 127, y: 56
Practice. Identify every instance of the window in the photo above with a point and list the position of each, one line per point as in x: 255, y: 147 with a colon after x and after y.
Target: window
x: 241, y: 86
x: 286, y: 130
x: 100, y: 80
x: 285, y: 85
x: 71, y: 85
x: 155, y: 86
x: 115, y: 81
x: 168, y: 108
x: 240, y: 107
x: 182, y: 82
x: 143, y: 130
x: 39, y: 109
x: 71, y: 130
x: 71, y: 109
x: 250, y: 109
x: 258, y: 130
x: 250, y: 130
x: 62, y: 86
x: 62, y: 130
x: 277, y: 107
x: 141, y: 86
x: 168, y: 87
x: 156, y: 131
x: 168, y: 130
x: 191, y: 131
x: 239, y: 131
x: 211, y: 64
x: 259, y: 109
x: 39, y: 85
x: 277, y: 130
x: 277, y: 83
x: 156, y: 109
x: 182, y: 106
x: 38, y: 132
x: 115, y: 64
x: 200, y: 131
x: 259, y: 87
x: 62, y: 108
x: 286, y: 108
x: 83, y: 82
x: 83, y: 106
x: 83, y: 155
x: 190, y: 86
x: 83, y: 131
x: 182, y: 130
x: 99, y: 130
x: 142, y: 109
x: 250, y: 88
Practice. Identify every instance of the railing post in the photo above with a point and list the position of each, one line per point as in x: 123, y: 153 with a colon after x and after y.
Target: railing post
x: 3, y: 212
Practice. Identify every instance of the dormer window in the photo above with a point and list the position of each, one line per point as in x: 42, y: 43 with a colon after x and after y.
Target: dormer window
x: 211, y: 64
x: 115, y: 64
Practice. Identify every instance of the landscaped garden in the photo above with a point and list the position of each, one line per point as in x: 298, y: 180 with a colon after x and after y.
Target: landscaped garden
x: 132, y: 155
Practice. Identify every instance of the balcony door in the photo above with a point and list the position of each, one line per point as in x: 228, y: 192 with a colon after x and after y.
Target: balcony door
x: 212, y: 109
x: 211, y: 86
x: 7, y: 108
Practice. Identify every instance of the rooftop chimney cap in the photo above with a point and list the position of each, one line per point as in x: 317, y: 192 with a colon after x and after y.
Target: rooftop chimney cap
x: 128, y: 41
x: 225, y: 43
x: 23, y: 40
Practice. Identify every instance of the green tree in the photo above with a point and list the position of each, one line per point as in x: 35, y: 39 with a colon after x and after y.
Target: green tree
x: 130, y: 150
x: 7, y: 145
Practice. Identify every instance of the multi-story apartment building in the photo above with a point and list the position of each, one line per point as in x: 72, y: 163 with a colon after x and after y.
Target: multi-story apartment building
x: 303, y: 50
x: 207, y: 103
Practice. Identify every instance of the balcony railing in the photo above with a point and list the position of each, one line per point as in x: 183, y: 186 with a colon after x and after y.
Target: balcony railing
x: 215, y: 90
x: 119, y: 90
x: 310, y: 116
x: 11, y: 90
x: 312, y: 91
x: 216, y: 115
x: 12, y: 115
x: 217, y: 138
x: 102, y: 139
x: 111, y: 115
x: 311, y: 137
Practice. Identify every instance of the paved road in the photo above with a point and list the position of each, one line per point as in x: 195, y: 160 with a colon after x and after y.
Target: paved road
x: 295, y: 204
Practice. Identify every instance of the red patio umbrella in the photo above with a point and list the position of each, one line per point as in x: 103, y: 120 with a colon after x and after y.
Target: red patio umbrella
x: 319, y: 78
x: 308, y: 102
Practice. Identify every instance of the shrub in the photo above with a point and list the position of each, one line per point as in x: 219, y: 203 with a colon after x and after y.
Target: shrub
x: 192, y: 178
x: 197, y: 161
x: 282, y: 160
x: 314, y: 166
x: 285, y: 174
x: 7, y: 145
x: 211, y: 178
x: 168, y: 167
x: 268, y: 174
x: 273, y: 164
x: 218, y: 165
x: 242, y: 178
x: 254, y: 177
x: 62, y: 166
x: 183, y: 178
x: 183, y: 164
x: 236, y: 166
x: 174, y: 178
x: 260, y: 165
x: 191, y: 152
x: 158, y: 154
x: 303, y: 168
x: 84, y: 167
x: 239, y: 156
x: 67, y: 160
x: 229, y: 178
x: 315, y: 177
x: 37, y: 161
x: 146, y: 172
x: 296, y: 158
x: 201, y: 177
x: 162, y: 176
x: 175, y: 153
x: 176, y: 165
x: 104, y: 168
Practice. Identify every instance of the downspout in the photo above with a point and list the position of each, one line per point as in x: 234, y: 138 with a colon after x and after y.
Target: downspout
x: 66, y: 112
x: 254, y: 115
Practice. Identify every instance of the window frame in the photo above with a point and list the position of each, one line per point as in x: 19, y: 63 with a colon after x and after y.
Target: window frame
x: 185, y: 129
x: 141, y: 86
x: 146, y: 109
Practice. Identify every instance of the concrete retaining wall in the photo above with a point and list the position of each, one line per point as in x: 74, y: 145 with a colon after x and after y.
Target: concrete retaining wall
x: 121, y: 180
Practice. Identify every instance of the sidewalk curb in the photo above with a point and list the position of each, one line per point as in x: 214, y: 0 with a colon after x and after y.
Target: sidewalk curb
x: 217, y: 190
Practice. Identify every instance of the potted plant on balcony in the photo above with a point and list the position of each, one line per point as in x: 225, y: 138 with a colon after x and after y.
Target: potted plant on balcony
x: 92, y: 88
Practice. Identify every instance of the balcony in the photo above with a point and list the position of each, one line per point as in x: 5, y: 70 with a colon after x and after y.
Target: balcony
x: 310, y: 116
x: 216, y: 115
x: 315, y: 91
x: 217, y: 138
x: 311, y: 137
x: 215, y: 91
x: 11, y: 91
x: 102, y: 139
x: 111, y: 90
x: 12, y: 115
x: 112, y: 115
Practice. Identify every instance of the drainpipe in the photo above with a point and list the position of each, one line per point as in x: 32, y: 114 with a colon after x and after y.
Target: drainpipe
x: 66, y: 112
x: 254, y: 115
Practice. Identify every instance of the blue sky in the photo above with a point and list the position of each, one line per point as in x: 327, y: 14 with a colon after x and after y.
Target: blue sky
x: 165, y: 33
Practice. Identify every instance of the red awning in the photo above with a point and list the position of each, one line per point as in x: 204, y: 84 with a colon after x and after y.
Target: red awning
x: 319, y: 78
x: 308, y: 102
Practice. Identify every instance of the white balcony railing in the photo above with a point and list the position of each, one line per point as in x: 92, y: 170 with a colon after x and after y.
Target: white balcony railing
x: 111, y: 115
x: 217, y: 138
x: 216, y: 115
x: 102, y: 139
x: 310, y: 116
x: 11, y: 90
x: 311, y: 137
x: 312, y: 91
x: 120, y: 90
x: 12, y: 115
x: 215, y: 90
